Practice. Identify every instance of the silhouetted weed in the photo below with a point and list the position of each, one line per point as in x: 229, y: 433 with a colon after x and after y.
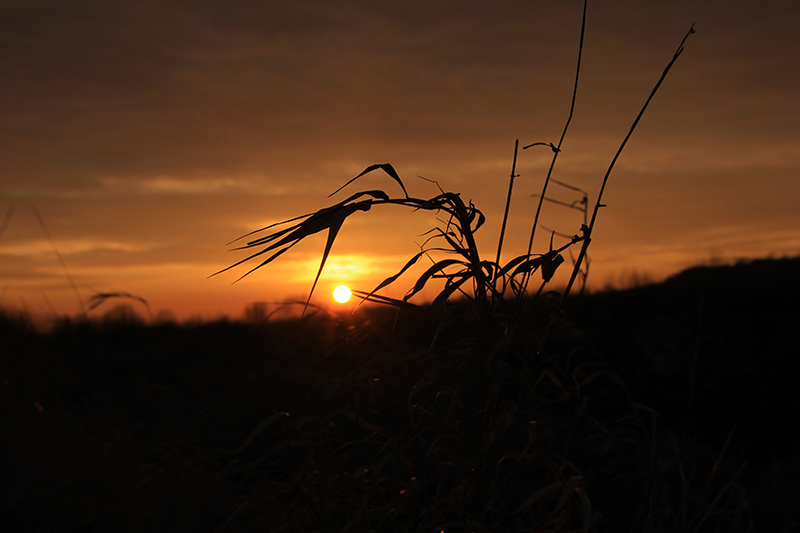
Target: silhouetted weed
x: 504, y: 422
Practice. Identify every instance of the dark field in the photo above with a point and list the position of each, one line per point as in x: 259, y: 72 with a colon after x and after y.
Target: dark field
x: 669, y: 407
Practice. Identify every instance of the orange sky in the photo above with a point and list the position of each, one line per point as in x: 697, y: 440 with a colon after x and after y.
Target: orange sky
x: 149, y: 134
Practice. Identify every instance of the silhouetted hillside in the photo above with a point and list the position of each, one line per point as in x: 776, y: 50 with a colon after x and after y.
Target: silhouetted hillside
x: 709, y: 347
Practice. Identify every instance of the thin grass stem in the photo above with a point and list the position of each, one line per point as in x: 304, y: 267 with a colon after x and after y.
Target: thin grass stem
x: 7, y: 219
x: 588, y: 229
x: 60, y: 260
x: 557, y: 149
x: 508, y: 201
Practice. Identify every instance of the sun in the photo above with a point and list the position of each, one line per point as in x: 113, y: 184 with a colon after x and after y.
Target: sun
x: 341, y: 294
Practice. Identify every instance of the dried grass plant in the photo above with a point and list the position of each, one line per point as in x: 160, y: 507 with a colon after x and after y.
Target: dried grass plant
x: 502, y: 423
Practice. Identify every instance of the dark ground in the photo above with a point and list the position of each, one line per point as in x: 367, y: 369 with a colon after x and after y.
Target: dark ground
x: 126, y: 427
x: 708, y: 348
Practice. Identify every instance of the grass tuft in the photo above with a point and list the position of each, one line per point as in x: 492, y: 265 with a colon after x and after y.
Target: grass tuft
x: 501, y: 423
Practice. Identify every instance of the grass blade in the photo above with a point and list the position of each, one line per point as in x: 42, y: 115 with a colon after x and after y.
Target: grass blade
x: 386, y: 167
x: 423, y: 279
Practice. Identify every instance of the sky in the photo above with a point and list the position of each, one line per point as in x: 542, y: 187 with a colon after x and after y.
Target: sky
x: 148, y: 135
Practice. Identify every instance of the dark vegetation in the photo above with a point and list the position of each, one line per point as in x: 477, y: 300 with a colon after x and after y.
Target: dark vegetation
x: 123, y: 426
x: 708, y: 348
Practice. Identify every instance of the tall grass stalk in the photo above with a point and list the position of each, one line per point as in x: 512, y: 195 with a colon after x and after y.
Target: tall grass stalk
x: 588, y: 232
x: 11, y: 207
x: 557, y: 149
x: 508, y: 201
x: 61, y: 261
x: 480, y: 429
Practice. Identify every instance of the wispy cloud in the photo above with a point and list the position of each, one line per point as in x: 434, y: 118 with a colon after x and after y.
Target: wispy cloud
x: 39, y: 247
x: 197, y: 185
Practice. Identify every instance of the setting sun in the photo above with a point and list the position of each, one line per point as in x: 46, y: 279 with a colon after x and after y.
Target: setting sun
x: 341, y: 294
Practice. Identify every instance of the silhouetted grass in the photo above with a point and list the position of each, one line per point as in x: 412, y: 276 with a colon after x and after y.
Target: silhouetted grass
x: 505, y: 422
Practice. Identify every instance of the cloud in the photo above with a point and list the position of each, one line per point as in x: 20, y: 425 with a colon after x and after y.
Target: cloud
x: 43, y: 247
x: 195, y: 186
